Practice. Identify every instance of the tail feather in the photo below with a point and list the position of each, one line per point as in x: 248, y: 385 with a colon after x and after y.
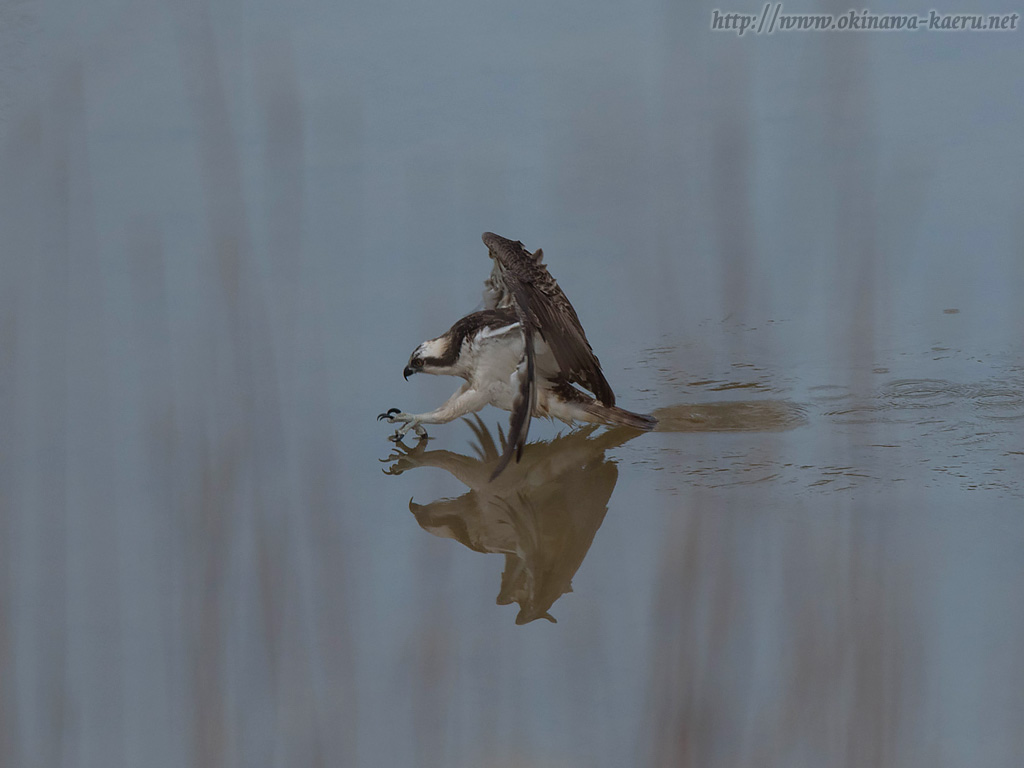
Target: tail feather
x: 619, y: 417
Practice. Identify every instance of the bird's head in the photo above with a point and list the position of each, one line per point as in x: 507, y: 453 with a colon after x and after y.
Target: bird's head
x: 429, y: 357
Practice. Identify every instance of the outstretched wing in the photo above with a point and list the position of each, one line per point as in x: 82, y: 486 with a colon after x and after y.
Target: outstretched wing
x: 521, y: 281
x: 538, y: 301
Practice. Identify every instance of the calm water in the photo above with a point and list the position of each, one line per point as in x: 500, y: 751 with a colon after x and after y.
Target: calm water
x: 225, y: 227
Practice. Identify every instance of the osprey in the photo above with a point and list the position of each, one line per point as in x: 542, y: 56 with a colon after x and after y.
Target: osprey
x: 522, y: 353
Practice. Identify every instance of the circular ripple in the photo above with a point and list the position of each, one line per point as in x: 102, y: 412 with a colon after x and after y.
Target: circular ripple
x: 921, y: 393
x: 1002, y: 403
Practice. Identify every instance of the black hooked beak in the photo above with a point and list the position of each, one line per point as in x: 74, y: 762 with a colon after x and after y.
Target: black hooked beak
x: 409, y: 371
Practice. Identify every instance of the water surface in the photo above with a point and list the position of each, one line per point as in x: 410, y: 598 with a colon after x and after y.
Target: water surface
x: 225, y: 228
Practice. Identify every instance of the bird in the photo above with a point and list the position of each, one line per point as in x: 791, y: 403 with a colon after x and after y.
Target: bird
x: 525, y: 352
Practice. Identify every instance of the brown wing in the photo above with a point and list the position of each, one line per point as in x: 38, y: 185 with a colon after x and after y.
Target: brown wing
x: 543, y: 307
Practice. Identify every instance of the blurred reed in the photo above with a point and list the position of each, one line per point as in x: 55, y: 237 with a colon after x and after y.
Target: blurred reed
x: 180, y: 602
x: 823, y: 674
x: 177, y: 583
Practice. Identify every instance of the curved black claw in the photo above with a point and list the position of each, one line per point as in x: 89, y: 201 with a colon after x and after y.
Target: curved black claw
x: 387, y: 414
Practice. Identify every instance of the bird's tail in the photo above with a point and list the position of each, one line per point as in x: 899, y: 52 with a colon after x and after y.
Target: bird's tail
x: 620, y: 417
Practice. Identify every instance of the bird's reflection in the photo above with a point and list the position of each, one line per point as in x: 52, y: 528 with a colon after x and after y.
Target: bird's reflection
x: 541, y: 513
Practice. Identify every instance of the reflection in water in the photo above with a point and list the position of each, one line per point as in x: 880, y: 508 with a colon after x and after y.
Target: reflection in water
x: 744, y: 416
x: 541, y: 513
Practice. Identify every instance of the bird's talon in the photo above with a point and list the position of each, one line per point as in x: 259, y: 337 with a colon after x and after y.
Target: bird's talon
x: 388, y: 415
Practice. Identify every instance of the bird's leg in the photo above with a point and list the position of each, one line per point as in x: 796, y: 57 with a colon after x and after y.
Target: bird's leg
x: 465, y: 400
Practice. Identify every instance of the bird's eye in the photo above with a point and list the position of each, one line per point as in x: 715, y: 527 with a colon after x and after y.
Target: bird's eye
x: 417, y: 363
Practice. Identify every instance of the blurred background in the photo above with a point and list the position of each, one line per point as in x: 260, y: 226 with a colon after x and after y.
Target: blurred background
x: 223, y: 228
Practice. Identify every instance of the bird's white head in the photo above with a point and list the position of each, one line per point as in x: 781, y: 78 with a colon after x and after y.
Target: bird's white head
x: 431, y: 356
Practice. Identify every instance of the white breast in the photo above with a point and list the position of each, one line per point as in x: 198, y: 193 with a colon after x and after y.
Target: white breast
x: 492, y: 359
x: 491, y: 355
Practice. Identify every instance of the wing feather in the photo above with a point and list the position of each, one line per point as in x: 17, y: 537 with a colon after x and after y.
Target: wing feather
x: 521, y: 281
x: 543, y: 306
